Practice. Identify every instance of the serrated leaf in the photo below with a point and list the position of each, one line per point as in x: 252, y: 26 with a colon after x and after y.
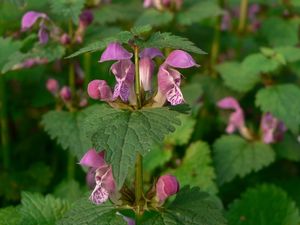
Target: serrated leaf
x: 258, y: 206
x: 39, y: 210
x: 283, y: 102
x: 280, y: 32
x: 10, y: 216
x: 68, y: 8
x: 183, y: 132
x: 69, y: 190
x: 123, y: 134
x: 122, y: 37
x: 154, y: 18
x: 84, y: 212
x: 196, y: 168
x: 140, y: 29
x: 235, y: 156
x: 191, y: 207
x: 197, y: 12
x: 288, y: 148
x: 168, y: 40
x: 157, y: 157
x: 8, y: 48
x: 290, y: 53
x: 66, y: 128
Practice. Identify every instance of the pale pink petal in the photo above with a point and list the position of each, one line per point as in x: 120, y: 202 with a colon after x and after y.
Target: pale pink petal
x: 151, y: 53
x: 92, y: 159
x: 180, y: 59
x: 115, y: 51
x: 29, y: 19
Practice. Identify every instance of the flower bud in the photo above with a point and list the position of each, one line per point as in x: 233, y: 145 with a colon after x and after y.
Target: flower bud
x: 99, y: 90
x: 52, y: 85
x: 65, y: 94
x: 166, y: 186
x: 65, y: 39
x: 86, y: 18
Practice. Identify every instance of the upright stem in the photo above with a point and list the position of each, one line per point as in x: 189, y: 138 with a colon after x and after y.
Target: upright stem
x: 243, y: 16
x: 215, y: 47
x: 139, y: 159
x: 4, y: 123
x: 72, y: 78
x: 87, y: 68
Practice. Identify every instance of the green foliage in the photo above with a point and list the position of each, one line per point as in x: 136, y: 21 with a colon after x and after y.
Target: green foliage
x: 263, y: 205
x: 288, y: 148
x: 157, y: 157
x: 168, y: 40
x: 66, y: 128
x: 69, y: 190
x: 191, y: 207
x: 242, y: 77
x: 280, y: 32
x: 124, y: 133
x: 69, y: 9
x: 196, y: 168
x: 235, y: 156
x: 183, y: 133
x: 197, y: 12
x: 39, y: 210
x: 154, y: 18
x: 8, y: 48
x: 84, y: 212
x: 283, y: 102
x: 10, y: 216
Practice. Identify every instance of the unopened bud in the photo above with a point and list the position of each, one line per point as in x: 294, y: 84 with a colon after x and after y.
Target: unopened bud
x: 52, y: 85
x: 166, y: 186
x: 65, y: 39
x: 65, y: 94
x: 99, y: 90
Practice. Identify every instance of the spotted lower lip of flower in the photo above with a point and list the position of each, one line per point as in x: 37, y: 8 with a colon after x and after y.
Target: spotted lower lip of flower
x: 115, y: 51
x: 272, y: 129
x: 105, y: 184
x: 30, y: 18
x: 236, y: 119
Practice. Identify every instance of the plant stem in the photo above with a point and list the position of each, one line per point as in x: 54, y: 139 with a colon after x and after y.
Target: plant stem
x: 216, y: 40
x: 243, y: 16
x: 4, y: 123
x: 139, y: 159
x: 72, y: 78
x: 87, y: 68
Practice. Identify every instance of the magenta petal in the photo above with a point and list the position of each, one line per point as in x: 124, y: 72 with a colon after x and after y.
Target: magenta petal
x: 86, y: 18
x: 30, y: 18
x: 180, y: 59
x: 115, y: 51
x: 148, y: 3
x: 99, y: 195
x: 123, y: 70
x: 99, y: 90
x: 229, y: 103
x: 146, y: 72
x: 151, y: 53
x: 92, y: 159
x: 166, y: 186
x: 43, y: 35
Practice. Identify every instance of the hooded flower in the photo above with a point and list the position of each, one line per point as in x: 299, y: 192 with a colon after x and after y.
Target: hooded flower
x: 169, y: 79
x: 272, y: 129
x: 30, y: 18
x: 99, y: 90
x: 115, y: 51
x: 146, y: 66
x: 105, y: 184
x: 236, y: 119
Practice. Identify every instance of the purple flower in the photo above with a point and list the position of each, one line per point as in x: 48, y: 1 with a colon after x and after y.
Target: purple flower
x: 105, y: 184
x: 99, y: 90
x: 236, y: 119
x: 65, y: 39
x: 272, y: 129
x: 169, y: 79
x: 86, y: 18
x: 30, y: 18
x: 129, y: 220
x: 166, y: 186
x: 65, y: 94
x: 52, y: 86
x: 146, y: 66
x: 115, y: 51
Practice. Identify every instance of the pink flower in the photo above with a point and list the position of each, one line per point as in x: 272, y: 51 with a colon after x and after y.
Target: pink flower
x: 99, y: 90
x: 236, y: 119
x: 272, y: 129
x: 52, y: 86
x: 65, y: 94
x: 163, y: 4
x: 166, y: 186
x: 105, y: 184
x: 115, y: 51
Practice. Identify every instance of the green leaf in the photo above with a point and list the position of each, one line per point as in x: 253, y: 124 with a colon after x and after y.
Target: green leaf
x: 290, y: 53
x: 122, y: 37
x: 154, y: 18
x: 124, y: 133
x: 68, y: 8
x: 200, y: 11
x: 168, y: 40
x: 8, y: 48
x: 157, y: 157
x: 234, y: 156
x: 288, y: 148
x: 191, y: 207
x: 66, y: 128
x: 39, y: 210
x: 69, y: 190
x: 196, y: 168
x: 263, y: 205
x: 83, y: 212
x: 183, y: 133
x: 280, y: 32
x: 283, y: 102
x: 10, y: 216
